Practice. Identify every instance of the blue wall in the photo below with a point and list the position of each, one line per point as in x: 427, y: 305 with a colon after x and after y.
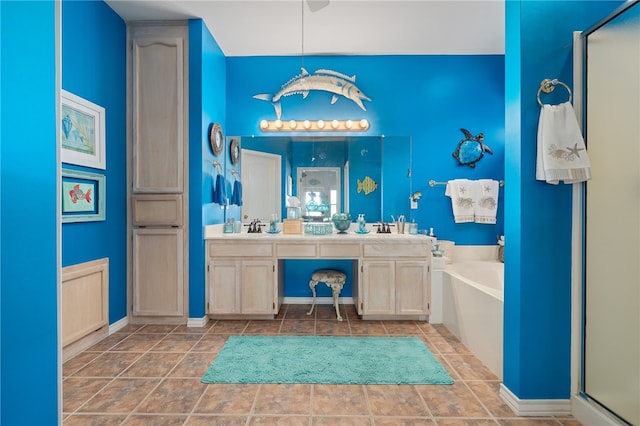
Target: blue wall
x: 28, y: 222
x: 427, y: 98
x: 207, y: 92
x: 537, y: 305
x: 94, y: 68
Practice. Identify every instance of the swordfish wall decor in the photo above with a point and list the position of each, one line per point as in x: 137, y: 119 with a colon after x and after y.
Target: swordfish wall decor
x: 323, y: 80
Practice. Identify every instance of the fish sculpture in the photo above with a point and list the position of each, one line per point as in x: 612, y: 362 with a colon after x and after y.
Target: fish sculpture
x: 76, y: 194
x: 323, y: 80
x: 367, y: 185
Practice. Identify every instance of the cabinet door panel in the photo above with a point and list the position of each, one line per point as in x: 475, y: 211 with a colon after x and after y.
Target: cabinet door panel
x: 379, y: 291
x: 411, y: 288
x: 257, y: 287
x: 224, y: 288
x: 158, y: 278
x: 158, y: 120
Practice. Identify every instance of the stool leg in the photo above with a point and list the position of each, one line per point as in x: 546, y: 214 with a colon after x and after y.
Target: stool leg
x: 336, y: 293
x: 312, y: 284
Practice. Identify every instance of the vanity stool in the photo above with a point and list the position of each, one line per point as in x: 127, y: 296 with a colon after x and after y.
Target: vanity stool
x: 332, y: 278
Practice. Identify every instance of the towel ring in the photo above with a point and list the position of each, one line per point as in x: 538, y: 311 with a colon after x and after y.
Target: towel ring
x: 547, y: 86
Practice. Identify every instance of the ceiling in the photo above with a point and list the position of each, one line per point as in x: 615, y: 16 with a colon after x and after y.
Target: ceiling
x: 337, y: 27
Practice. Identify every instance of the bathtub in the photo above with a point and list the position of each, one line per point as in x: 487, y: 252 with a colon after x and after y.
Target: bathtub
x: 472, y: 307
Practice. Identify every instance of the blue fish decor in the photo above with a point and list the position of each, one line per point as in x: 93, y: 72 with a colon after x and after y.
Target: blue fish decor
x: 471, y: 149
x: 323, y: 80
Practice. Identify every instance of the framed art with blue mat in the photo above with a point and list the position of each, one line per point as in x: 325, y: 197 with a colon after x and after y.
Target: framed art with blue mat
x: 326, y: 359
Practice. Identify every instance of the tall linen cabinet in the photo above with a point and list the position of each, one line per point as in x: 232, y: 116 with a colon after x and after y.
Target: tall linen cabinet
x: 157, y: 172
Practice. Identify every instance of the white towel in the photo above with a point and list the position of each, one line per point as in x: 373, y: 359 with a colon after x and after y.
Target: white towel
x: 486, y: 206
x: 462, y: 193
x: 561, y: 152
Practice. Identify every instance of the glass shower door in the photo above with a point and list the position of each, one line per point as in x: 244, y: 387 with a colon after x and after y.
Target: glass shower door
x: 611, y: 351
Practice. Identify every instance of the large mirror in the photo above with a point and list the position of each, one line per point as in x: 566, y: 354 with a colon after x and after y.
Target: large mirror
x: 327, y: 175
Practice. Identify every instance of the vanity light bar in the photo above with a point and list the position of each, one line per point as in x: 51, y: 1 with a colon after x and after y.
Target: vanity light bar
x: 314, y: 125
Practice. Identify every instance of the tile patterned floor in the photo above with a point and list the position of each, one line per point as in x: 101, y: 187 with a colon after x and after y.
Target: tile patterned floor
x: 150, y: 375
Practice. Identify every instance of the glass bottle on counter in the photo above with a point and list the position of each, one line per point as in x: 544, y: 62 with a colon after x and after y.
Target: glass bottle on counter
x: 361, y: 223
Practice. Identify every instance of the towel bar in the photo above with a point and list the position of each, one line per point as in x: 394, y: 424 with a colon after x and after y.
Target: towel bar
x: 433, y: 183
x: 548, y: 85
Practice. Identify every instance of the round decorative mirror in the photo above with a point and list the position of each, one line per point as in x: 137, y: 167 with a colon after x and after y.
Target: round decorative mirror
x: 216, y: 138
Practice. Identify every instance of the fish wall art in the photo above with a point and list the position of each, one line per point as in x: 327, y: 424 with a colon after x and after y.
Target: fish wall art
x: 322, y: 80
x: 366, y: 185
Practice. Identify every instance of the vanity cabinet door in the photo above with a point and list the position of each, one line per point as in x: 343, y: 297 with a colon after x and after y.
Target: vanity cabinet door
x: 157, y: 270
x: 257, y: 280
x: 378, y: 287
x: 223, y: 278
x: 412, y: 288
x: 240, y: 286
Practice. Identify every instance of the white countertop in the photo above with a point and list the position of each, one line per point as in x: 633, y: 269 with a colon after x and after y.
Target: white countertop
x: 216, y: 232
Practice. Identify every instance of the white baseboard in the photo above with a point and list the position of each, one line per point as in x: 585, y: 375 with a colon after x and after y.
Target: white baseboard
x: 535, y: 407
x: 319, y: 300
x: 590, y: 414
x: 197, y: 322
x: 118, y: 325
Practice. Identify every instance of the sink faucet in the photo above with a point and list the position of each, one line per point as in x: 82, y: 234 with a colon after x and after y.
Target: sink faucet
x: 255, y: 227
x: 383, y: 228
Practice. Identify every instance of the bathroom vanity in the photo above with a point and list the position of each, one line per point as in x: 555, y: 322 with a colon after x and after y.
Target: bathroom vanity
x: 390, y: 272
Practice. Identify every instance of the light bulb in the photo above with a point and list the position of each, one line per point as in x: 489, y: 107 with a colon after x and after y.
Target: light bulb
x: 279, y: 124
x: 264, y: 124
x: 349, y: 124
x: 364, y: 124
x: 306, y: 124
x: 320, y: 124
x: 335, y: 124
x: 293, y: 124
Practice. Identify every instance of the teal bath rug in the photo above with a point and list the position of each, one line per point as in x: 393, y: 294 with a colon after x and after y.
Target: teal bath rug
x: 334, y: 360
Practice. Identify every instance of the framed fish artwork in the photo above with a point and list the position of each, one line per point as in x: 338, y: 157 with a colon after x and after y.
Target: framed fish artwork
x: 82, y: 132
x: 83, y: 196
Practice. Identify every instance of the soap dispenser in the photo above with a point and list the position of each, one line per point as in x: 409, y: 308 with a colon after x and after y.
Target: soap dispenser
x: 361, y: 223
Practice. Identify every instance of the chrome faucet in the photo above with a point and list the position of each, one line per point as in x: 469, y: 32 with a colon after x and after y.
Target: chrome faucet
x: 383, y: 228
x: 255, y: 227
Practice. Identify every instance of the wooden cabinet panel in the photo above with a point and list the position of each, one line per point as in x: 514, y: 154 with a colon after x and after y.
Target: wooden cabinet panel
x: 412, y: 289
x: 157, y: 210
x: 396, y: 250
x: 296, y: 250
x: 158, y: 276
x: 158, y: 97
x: 240, y: 287
x: 242, y: 249
x: 257, y: 287
x: 224, y: 291
x: 157, y: 164
x: 340, y: 251
x: 379, y: 288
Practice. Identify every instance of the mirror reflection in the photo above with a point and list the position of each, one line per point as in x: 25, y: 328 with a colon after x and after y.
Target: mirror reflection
x: 328, y: 175
x: 319, y: 192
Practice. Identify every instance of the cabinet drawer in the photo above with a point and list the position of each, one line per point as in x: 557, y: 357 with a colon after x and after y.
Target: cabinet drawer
x: 290, y: 251
x: 242, y: 249
x: 340, y: 250
x: 395, y: 250
x: 157, y: 210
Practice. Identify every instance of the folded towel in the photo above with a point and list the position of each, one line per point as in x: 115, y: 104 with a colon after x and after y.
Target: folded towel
x: 220, y: 190
x: 236, y: 196
x: 462, y: 193
x: 486, y: 206
x: 561, y: 152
